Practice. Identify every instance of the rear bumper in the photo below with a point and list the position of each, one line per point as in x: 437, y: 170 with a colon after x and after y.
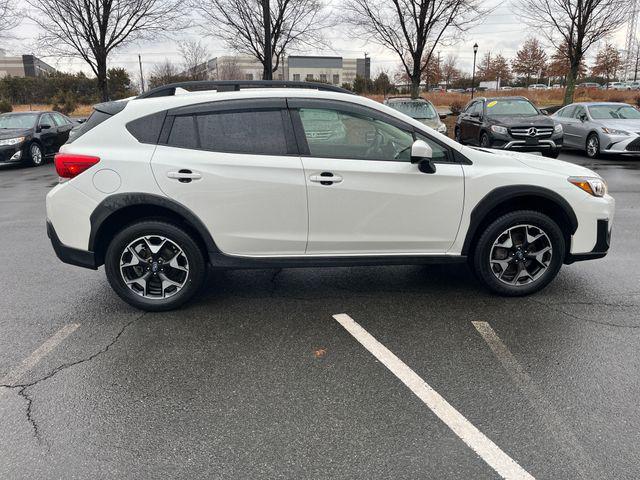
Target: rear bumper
x: 601, y: 248
x: 72, y: 256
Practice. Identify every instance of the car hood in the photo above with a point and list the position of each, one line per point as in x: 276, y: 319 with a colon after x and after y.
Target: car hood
x: 430, y: 122
x: 547, y: 164
x: 521, y: 120
x: 626, y: 124
x: 14, y: 132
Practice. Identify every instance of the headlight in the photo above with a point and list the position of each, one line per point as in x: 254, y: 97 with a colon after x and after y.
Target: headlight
x: 592, y: 185
x: 442, y: 128
x: 499, y: 129
x: 613, y: 131
x: 11, y: 141
x: 557, y: 128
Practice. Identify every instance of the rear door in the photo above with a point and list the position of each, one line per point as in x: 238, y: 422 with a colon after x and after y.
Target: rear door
x: 365, y: 195
x: 64, y: 126
x: 235, y: 164
x: 568, y: 122
x: 48, y: 133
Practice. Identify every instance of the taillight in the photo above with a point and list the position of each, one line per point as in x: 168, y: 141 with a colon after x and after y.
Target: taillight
x: 69, y: 165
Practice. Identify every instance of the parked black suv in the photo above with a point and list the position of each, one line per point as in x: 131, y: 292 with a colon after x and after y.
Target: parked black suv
x: 512, y: 123
x: 32, y: 136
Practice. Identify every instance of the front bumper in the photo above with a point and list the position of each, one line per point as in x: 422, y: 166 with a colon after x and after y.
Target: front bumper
x: 72, y: 256
x: 620, y: 144
x: 12, y: 153
x: 506, y: 142
x: 601, y: 248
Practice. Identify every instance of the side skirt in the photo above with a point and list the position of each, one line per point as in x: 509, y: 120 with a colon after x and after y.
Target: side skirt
x: 220, y: 260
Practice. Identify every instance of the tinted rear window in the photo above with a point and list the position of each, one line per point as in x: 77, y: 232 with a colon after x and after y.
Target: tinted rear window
x: 254, y: 132
x: 95, y: 119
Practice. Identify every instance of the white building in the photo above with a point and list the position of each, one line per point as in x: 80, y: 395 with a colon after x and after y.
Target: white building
x: 334, y: 70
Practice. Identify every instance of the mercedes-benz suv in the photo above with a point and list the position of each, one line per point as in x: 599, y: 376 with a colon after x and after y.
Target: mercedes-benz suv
x: 160, y: 188
x: 509, y: 123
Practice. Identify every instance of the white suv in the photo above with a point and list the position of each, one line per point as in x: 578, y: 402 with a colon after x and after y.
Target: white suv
x: 162, y: 186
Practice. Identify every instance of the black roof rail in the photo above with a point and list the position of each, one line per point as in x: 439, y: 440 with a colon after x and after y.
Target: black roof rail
x: 235, y: 85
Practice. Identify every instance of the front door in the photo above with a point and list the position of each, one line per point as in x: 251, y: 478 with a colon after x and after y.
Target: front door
x: 365, y: 196
x: 236, y: 166
x: 48, y: 134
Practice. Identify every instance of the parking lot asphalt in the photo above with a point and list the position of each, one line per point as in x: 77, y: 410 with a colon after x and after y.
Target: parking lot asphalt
x: 257, y: 379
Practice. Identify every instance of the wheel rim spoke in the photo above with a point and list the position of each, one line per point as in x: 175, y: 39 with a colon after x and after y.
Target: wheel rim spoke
x: 520, y: 255
x: 154, y: 267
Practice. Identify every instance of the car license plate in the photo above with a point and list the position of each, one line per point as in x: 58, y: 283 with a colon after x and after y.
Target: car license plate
x: 531, y: 141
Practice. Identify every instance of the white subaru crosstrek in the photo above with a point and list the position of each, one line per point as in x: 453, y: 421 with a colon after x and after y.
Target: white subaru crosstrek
x: 162, y: 186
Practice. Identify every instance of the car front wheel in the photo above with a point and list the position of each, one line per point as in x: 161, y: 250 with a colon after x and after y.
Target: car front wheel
x: 155, y: 266
x: 519, y: 253
x: 485, y: 141
x: 593, y: 146
x: 35, y: 155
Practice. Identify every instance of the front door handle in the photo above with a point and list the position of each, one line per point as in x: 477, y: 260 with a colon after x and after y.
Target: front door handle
x: 184, y: 176
x: 326, y: 178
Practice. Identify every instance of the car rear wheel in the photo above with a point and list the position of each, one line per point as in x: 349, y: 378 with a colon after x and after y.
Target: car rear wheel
x: 155, y: 266
x: 593, y: 146
x: 35, y: 155
x: 485, y: 141
x: 519, y: 253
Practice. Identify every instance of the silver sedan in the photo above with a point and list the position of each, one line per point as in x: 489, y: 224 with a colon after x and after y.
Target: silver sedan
x: 600, y: 127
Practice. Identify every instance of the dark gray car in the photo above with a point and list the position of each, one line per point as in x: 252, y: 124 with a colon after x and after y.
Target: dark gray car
x: 600, y: 127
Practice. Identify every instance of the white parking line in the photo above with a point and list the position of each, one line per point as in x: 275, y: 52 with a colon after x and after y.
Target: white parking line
x: 552, y: 421
x: 504, y: 465
x: 14, y: 375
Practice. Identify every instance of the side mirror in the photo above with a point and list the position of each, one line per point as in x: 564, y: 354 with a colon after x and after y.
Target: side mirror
x: 443, y: 116
x: 582, y: 118
x: 45, y: 126
x: 474, y: 114
x: 421, y: 153
x: 544, y: 111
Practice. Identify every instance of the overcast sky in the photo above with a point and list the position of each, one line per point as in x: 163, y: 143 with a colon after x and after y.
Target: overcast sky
x: 500, y: 32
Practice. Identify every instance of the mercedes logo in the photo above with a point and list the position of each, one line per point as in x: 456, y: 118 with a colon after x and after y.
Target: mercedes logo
x: 533, y: 131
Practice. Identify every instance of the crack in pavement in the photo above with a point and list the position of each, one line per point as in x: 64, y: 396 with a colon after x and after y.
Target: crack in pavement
x: 22, y: 387
x: 550, y: 306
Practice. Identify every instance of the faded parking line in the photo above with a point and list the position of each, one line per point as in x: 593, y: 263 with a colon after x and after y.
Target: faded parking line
x: 14, y: 375
x: 552, y: 421
x: 504, y: 465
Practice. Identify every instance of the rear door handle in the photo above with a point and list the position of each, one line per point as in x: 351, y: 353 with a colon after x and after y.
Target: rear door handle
x: 325, y: 178
x: 184, y: 176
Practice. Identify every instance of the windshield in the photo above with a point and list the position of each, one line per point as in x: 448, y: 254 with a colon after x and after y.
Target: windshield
x: 510, y: 107
x: 602, y: 112
x: 415, y: 109
x: 24, y: 120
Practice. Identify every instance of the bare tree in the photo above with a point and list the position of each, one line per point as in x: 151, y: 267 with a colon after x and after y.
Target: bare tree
x: 165, y: 72
x: 608, y: 63
x: 194, y: 59
x: 240, y: 23
x: 576, y: 24
x: 10, y: 17
x: 450, y: 71
x: 559, y: 65
x: 228, y: 69
x: 411, y: 28
x: 92, y: 30
x: 530, y: 59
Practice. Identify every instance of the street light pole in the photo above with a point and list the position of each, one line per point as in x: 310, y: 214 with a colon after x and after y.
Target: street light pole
x: 473, y: 76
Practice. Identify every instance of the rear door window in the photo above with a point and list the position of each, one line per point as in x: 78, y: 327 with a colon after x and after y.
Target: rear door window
x: 255, y: 132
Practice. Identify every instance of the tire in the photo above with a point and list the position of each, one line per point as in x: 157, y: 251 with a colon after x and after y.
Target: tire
x: 551, y: 153
x: 522, y: 273
x: 175, y: 272
x: 485, y: 141
x: 594, y: 151
x: 36, y: 156
x: 456, y: 135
